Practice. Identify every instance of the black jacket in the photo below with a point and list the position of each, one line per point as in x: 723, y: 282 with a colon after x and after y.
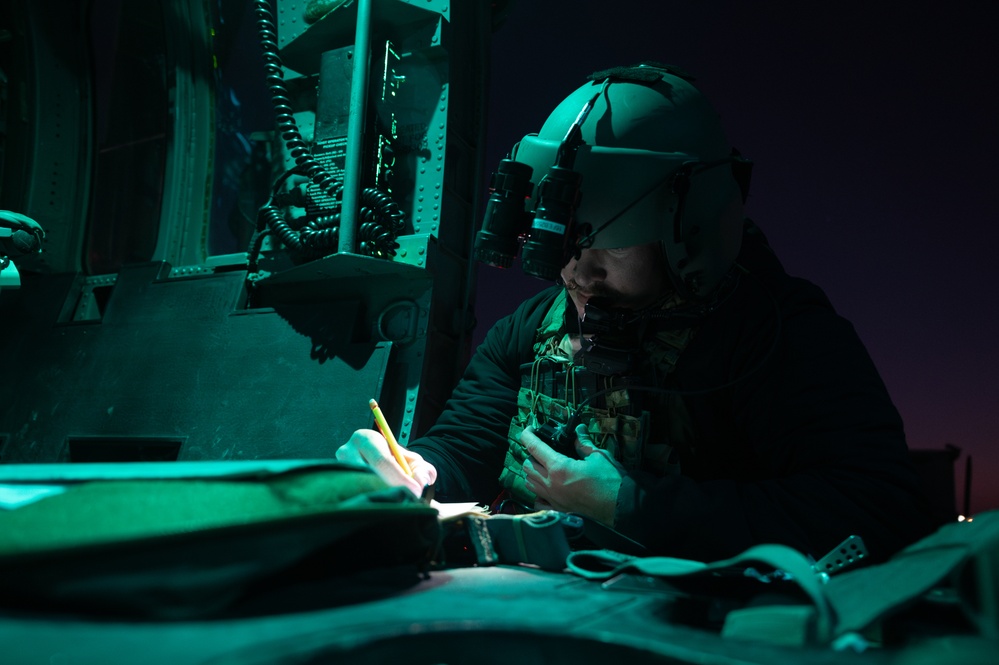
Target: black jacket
x: 803, y: 447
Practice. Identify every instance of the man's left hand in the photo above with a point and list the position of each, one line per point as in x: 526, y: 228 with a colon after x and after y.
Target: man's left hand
x: 588, y: 485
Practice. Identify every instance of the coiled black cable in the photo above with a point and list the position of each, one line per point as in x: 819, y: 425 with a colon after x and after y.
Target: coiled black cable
x: 271, y: 217
x: 377, y: 238
x: 320, y: 233
x: 380, y: 218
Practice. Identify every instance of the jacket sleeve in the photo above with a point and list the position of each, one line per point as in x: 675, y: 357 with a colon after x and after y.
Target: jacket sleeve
x: 468, y: 442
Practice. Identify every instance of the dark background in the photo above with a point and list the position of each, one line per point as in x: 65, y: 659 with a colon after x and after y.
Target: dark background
x: 873, y: 128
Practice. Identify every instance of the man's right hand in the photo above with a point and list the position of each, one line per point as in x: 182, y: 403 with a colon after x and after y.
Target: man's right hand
x: 367, y: 447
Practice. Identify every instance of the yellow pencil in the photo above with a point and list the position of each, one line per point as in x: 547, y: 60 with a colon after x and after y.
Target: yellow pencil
x: 387, y: 433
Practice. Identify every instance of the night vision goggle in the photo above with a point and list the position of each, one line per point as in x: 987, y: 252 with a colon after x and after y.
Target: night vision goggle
x: 548, y: 227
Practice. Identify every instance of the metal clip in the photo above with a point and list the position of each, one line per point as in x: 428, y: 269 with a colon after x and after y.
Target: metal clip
x: 848, y: 553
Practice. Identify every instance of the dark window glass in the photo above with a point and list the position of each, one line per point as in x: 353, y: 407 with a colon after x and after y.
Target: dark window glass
x: 243, y: 117
x: 132, y: 128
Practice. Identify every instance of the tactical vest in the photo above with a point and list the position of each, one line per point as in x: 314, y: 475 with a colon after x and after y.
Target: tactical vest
x: 553, y: 387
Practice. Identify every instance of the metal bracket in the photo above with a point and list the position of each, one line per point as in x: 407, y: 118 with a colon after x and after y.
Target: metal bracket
x: 845, y: 555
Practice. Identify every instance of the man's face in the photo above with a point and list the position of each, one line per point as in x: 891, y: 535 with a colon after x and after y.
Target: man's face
x: 630, y: 277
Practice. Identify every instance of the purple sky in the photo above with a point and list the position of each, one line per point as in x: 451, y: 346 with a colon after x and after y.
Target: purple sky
x: 874, y: 132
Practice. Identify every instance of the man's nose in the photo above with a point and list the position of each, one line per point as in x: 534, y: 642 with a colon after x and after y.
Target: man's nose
x: 588, y: 268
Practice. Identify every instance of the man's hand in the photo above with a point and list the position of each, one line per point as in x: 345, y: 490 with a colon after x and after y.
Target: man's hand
x: 367, y: 447
x: 587, y: 486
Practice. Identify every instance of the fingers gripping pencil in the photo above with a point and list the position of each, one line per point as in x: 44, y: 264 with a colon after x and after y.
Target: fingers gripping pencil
x: 387, y: 433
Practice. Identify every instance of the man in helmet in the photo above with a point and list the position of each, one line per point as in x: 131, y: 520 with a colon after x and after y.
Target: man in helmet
x: 677, y: 385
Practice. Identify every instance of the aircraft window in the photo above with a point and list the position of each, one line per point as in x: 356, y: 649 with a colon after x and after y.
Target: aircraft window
x: 132, y: 120
x: 244, y: 116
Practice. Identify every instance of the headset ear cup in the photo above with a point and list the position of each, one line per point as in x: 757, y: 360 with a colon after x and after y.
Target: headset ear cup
x: 681, y: 188
x: 673, y: 272
x: 704, y: 238
x: 674, y: 248
x: 742, y: 171
x: 677, y: 258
